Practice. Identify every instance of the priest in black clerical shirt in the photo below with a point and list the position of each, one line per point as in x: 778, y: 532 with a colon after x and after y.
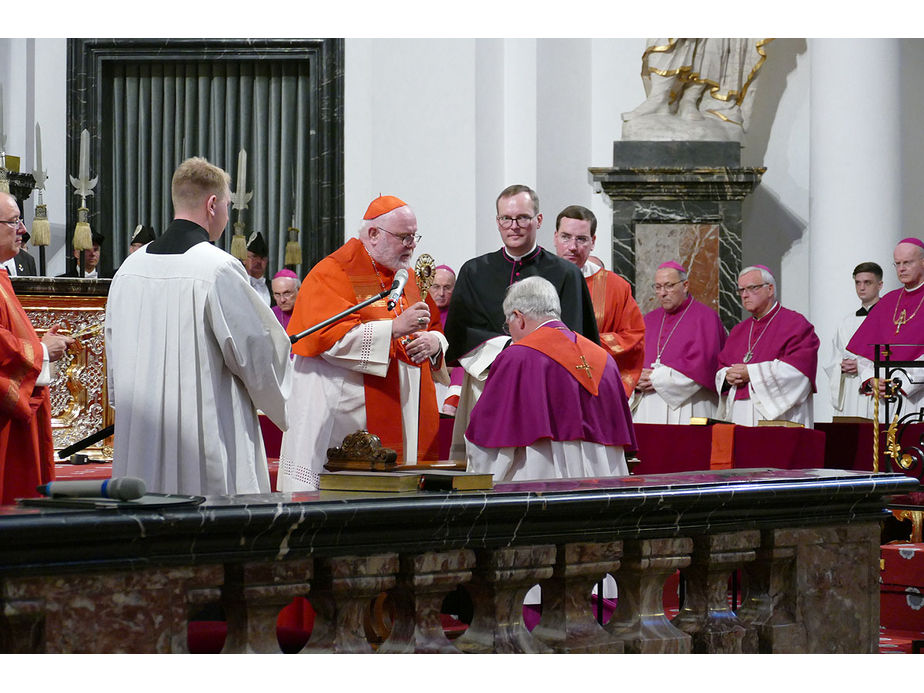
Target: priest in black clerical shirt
x: 475, y: 328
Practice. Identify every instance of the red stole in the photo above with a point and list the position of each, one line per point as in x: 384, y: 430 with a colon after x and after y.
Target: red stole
x: 584, y: 363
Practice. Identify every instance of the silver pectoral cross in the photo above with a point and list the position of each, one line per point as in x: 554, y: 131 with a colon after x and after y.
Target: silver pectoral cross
x: 747, y: 357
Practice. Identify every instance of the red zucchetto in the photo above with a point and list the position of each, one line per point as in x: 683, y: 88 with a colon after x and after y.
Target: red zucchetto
x: 382, y: 205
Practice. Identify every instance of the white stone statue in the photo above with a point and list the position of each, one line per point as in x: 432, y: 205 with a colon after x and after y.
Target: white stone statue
x: 698, y: 89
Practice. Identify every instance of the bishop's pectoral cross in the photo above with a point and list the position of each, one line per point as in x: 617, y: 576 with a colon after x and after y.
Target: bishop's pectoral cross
x: 584, y: 366
x: 901, y: 320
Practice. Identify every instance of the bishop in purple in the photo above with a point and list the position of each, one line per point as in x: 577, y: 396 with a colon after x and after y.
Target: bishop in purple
x: 285, y: 289
x: 553, y: 405
x: 682, y: 343
x: 898, y: 320
x: 767, y: 366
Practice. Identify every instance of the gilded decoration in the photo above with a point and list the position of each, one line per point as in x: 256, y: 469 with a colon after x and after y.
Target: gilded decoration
x: 78, y: 393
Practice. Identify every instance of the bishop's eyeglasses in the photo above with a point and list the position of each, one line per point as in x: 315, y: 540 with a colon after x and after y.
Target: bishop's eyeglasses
x: 752, y: 289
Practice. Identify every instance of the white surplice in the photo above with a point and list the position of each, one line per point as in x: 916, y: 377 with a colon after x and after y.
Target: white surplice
x: 192, y: 353
x: 778, y: 392
x: 329, y: 401
x: 675, y: 400
x: 845, y: 387
x: 548, y: 459
x: 477, y: 365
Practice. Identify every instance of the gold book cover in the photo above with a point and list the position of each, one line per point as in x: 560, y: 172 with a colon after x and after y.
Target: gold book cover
x: 391, y: 482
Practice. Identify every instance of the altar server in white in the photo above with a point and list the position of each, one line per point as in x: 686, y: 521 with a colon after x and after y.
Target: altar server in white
x: 841, y: 365
x: 193, y: 353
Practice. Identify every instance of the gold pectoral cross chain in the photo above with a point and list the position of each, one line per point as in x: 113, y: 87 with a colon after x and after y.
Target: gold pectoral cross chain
x: 902, y: 319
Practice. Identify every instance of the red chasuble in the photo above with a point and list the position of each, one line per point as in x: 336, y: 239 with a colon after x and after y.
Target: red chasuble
x: 26, y: 448
x: 341, y: 280
x: 620, y: 322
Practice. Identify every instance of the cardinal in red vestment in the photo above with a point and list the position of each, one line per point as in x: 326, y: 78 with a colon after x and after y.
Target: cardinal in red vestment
x: 26, y: 449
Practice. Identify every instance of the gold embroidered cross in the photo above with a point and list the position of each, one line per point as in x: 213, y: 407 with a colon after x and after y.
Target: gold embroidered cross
x: 584, y: 366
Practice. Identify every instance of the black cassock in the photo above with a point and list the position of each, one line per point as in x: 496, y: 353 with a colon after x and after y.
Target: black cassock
x: 476, y: 309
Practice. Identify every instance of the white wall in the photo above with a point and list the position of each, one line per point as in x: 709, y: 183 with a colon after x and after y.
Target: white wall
x: 409, y: 124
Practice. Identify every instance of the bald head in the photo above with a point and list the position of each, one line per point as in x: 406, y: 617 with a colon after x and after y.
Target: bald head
x: 909, y: 264
x: 441, y: 288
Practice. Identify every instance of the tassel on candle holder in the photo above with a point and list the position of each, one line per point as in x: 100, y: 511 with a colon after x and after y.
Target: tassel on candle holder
x: 238, y: 242
x: 41, y: 229
x: 83, y: 237
x: 293, y: 249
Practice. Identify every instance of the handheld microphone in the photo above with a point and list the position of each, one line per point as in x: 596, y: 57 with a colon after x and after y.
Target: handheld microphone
x: 124, y: 488
x: 397, y: 288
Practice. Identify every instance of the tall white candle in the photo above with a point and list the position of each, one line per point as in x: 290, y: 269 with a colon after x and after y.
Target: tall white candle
x: 242, y: 172
x: 84, y: 171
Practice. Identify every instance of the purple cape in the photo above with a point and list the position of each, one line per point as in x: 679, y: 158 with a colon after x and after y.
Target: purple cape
x: 879, y: 326
x: 529, y: 396
x: 787, y: 336
x: 690, y: 339
x: 283, y: 318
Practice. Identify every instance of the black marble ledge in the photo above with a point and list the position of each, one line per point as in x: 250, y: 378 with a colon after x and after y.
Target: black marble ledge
x: 294, y: 526
x: 676, y: 183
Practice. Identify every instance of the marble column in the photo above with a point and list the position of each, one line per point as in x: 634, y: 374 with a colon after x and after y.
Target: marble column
x: 855, y: 210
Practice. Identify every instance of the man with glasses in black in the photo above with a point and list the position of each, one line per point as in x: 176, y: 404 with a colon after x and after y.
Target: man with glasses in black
x: 767, y: 366
x: 475, y: 326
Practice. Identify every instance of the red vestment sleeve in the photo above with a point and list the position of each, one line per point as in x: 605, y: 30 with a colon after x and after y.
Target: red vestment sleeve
x: 621, y: 325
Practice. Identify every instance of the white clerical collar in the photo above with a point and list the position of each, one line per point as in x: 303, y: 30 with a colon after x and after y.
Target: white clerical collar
x: 10, y: 267
x: 590, y: 268
x: 776, y: 304
x: 915, y: 288
x: 520, y: 257
x: 91, y: 275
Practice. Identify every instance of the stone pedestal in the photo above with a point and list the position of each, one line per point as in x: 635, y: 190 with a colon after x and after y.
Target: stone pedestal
x: 253, y: 594
x: 568, y: 624
x: 423, y: 581
x: 343, y: 589
x: 499, y: 585
x: 705, y: 615
x: 679, y: 201
x: 639, y: 622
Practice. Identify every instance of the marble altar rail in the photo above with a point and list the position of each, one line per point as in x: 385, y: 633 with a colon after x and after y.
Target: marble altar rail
x: 128, y: 580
